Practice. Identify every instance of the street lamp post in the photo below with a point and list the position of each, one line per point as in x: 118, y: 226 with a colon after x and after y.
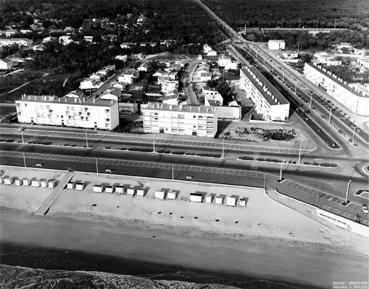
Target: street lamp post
x: 24, y: 160
x: 347, y: 191
x: 280, y: 172
x: 223, y: 148
x: 353, y: 135
x: 172, y: 171
x: 21, y: 131
x: 299, y: 160
x: 97, y: 166
x: 330, y: 115
x: 86, y: 140
x: 153, y: 143
x: 311, y: 99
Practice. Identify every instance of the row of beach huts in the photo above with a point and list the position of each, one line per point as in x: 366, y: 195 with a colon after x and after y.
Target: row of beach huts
x: 37, y: 183
x: 163, y: 194
x: 203, y: 197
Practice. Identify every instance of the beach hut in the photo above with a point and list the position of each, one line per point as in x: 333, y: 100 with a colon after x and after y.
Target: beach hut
x: 232, y: 201
x: 43, y: 183
x: 140, y: 192
x: 8, y: 180
x: 197, y: 197
x: 160, y: 195
x: 80, y: 186
x: 70, y: 185
x: 17, y: 182
x: 109, y: 189
x: 131, y: 191
x: 209, y: 198
x: 219, y: 200
x: 51, y: 184
x: 119, y: 190
x: 98, y: 188
x: 35, y: 183
x: 243, y: 202
x: 25, y: 182
x: 172, y: 195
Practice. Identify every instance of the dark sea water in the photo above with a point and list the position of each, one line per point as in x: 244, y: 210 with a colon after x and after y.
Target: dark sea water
x: 56, y: 259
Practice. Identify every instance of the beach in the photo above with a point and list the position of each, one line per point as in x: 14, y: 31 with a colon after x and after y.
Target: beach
x: 264, y: 239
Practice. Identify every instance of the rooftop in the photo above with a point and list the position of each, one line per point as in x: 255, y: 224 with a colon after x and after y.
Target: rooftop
x: 180, y: 108
x: 67, y: 100
x: 268, y: 91
x: 338, y: 80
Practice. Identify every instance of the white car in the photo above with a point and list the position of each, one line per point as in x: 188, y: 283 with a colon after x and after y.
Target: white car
x: 364, y: 208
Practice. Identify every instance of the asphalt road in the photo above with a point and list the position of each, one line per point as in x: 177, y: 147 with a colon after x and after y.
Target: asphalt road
x: 218, y: 171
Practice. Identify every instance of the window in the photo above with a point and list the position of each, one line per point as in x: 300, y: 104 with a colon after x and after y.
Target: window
x: 108, y: 119
x: 107, y: 110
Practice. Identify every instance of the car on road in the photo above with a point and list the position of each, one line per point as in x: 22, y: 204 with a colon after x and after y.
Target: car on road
x: 39, y: 165
x: 364, y: 208
x: 108, y: 171
x: 189, y: 178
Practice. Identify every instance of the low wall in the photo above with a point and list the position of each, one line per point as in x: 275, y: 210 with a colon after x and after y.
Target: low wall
x: 343, y: 222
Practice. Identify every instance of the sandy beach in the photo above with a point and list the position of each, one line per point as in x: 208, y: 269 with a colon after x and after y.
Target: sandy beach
x: 263, y: 239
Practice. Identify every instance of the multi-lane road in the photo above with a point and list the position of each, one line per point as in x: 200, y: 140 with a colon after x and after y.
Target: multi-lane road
x: 133, y: 154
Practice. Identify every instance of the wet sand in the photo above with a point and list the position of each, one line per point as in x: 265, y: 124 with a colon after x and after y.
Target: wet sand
x: 291, y: 261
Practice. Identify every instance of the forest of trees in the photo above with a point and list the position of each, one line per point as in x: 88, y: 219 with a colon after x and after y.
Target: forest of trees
x: 293, y: 13
x: 181, y: 21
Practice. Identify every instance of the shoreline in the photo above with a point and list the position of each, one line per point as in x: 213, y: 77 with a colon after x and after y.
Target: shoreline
x: 243, y: 257
x: 264, y: 239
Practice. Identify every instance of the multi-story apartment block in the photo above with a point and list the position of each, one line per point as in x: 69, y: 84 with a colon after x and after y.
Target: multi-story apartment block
x: 268, y: 101
x: 178, y: 119
x: 355, y: 100
x: 65, y: 111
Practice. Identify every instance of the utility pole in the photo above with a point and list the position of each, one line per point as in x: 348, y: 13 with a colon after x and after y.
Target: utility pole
x: 347, y: 191
x: 24, y: 160
x: 172, y: 171
x: 311, y: 99
x: 97, y: 166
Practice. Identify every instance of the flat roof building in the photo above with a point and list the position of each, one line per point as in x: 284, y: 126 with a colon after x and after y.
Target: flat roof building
x: 268, y: 101
x: 354, y: 99
x: 65, y: 111
x: 180, y: 119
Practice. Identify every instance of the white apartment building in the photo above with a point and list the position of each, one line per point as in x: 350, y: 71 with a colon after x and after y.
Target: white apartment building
x: 353, y: 99
x: 181, y: 120
x: 268, y: 101
x: 73, y: 112
x: 276, y: 44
